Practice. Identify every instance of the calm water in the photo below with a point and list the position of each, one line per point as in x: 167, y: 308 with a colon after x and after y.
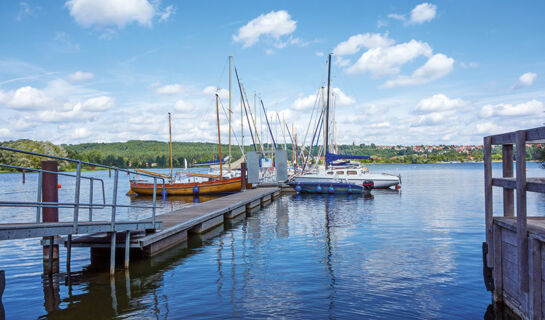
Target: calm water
x: 412, y: 254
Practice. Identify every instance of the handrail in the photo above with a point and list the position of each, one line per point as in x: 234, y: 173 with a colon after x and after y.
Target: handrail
x: 77, y: 204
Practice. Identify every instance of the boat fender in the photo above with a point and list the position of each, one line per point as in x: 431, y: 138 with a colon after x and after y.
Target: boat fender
x: 164, y: 193
x: 368, y: 184
x: 349, y: 190
x: 59, y: 186
x: 298, y: 188
x: 331, y: 189
x: 195, y: 189
x: 319, y: 188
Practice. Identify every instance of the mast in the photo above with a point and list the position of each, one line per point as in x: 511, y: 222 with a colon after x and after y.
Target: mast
x: 219, y: 136
x: 230, y: 58
x: 245, y: 110
x: 170, y: 144
x: 326, y: 137
x: 323, y: 114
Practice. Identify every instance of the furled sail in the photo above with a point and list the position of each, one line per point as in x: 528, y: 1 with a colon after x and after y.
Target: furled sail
x: 330, y: 157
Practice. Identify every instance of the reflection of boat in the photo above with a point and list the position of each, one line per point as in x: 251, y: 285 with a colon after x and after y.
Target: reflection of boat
x: 183, y: 198
x: 326, y: 187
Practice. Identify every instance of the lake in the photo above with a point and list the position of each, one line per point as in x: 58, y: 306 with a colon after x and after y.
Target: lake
x: 408, y: 254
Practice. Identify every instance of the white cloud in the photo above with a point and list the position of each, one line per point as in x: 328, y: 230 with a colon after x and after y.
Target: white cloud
x: 383, y: 61
x: 488, y: 128
x: 467, y: 65
x: 169, y: 89
x: 164, y: 15
x: 532, y: 107
x: 25, y: 98
x: 80, y: 76
x: 358, y: 41
x: 438, y: 66
x: 435, y: 118
x: 81, y: 133
x: 422, y: 13
x: 184, y: 106
x: 304, y: 103
x: 274, y: 24
x: 319, y: 54
x: 4, y: 132
x: 396, y: 16
x: 525, y: 80
x: 107, y: 13
x: 26, y: 10
x: 438, y: 102
x: 342, y: 99
x: 81, y: 111
x: 96, y: 104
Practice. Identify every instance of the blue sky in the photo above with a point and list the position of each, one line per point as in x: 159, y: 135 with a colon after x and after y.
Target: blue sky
x: 404, y: 72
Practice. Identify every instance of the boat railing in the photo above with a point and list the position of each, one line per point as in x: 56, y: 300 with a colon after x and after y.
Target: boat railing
x: 77, y: 204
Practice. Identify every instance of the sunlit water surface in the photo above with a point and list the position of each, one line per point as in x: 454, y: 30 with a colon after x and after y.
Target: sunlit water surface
x: 408, y: 254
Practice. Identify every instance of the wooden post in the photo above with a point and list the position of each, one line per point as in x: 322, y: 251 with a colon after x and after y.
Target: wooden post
x: 2, y: 287
x: 488, y: 204
x: 243, y: 175
x: 508, y: 194
x: 68, y: 252
x: 522, y: 230
x: 24, y: 178
x: 498, y: 264
x: 50, y: 193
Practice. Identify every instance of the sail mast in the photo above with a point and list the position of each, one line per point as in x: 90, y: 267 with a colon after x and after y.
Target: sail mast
x: 230, y: 58
x: 326, y: 137
x: 219, y: 136
x: 170, y: 144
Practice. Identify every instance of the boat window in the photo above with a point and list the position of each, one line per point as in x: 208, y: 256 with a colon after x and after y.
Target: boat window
x: 351, y: 172
x: 340, y: 172
x: 330, y: 172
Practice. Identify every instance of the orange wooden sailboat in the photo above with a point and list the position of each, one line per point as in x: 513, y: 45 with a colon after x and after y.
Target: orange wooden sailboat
x: 214, y: 185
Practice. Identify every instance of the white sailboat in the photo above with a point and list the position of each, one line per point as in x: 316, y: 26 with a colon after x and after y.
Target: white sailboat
x: 355, y: 175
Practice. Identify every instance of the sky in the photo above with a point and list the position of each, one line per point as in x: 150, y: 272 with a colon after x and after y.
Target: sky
x: 402, y: 72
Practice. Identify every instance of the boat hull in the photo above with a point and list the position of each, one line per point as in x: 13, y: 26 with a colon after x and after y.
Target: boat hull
x: 208, y: 187
x: 381, y: 181
x: 326, y: 187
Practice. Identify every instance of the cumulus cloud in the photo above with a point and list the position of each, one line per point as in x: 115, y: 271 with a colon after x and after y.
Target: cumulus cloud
x: 438, y: 66
x: 184, y: 106
x: 341, y: 98
x: 532, y: 107
x: 304, y: 103
x: 388, y: 60
x: 525, y: 80
x: 423, y: 12
x: 96, y: 104
x: 107, y: 13
x: 435, y: 118
x: 488, y: 128
x: 273, y: 24
x: 81, y: 133
x: 438, y: 102
x: 81, y: 111
x: 338, y: 97
x: 80, y: 76
x: 25, y: 98
x: 169, y: 89
x: 356, y: 42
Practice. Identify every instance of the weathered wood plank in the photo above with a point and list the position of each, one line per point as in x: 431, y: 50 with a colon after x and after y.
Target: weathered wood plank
x: 535, y: 275
x: 509, y: 237
x: 498, y: 257
x: 509, y: 252
x: 507, y: 172
x: 522, y: 238
x: 487, y: 149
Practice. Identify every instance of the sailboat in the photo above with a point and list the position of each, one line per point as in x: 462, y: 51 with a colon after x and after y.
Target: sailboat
x: 206, y: 184
x: 340, y: 179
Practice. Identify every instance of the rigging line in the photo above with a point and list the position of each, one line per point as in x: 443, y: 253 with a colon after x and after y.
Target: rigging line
x: 225, y: 112
x: 222, y: 72
x: 310, y: 121
x: 245, y: 110
x: 268, y: 125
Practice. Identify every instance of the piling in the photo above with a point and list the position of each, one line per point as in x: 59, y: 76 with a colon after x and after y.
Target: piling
x: 50, y: 193
x: 243, y: 175
x: 2, y: 287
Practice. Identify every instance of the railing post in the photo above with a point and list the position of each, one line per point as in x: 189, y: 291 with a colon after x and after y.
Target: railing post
x: 489, y: 214
x: 91, y: 200
x: 507, y: 167
x: 39, y: 197
x: 76, y: 197
x: 154, y: 202
x: 50, y: 193
x: 114, y: 199
x: 522, y: 231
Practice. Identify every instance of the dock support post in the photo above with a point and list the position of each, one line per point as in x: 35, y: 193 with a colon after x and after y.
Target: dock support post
x: 522, y: 229
x: 127, y: 248
x: 68, y: 252
x: 488, y: 204
x: 534, y: 305
x: 50, y: 193
x: 243, y: 175
x: 112, y: 253
x: 508, y: 194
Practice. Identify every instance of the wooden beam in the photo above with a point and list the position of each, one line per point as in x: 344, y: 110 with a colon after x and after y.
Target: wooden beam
x: 488, y: 204
x: 522, y: 228
x: 507, y: 167
x: 534, y: 303
x: 498, y: 263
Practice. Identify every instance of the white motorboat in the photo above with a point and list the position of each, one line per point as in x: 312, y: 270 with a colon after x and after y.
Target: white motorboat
x: 353, y: 175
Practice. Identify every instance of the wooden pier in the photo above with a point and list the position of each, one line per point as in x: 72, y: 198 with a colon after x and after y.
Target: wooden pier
x: 178, y: 224
x: 514, y: 251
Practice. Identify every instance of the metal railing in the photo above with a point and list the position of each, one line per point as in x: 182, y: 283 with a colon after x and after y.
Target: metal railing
x: 77, y: 205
